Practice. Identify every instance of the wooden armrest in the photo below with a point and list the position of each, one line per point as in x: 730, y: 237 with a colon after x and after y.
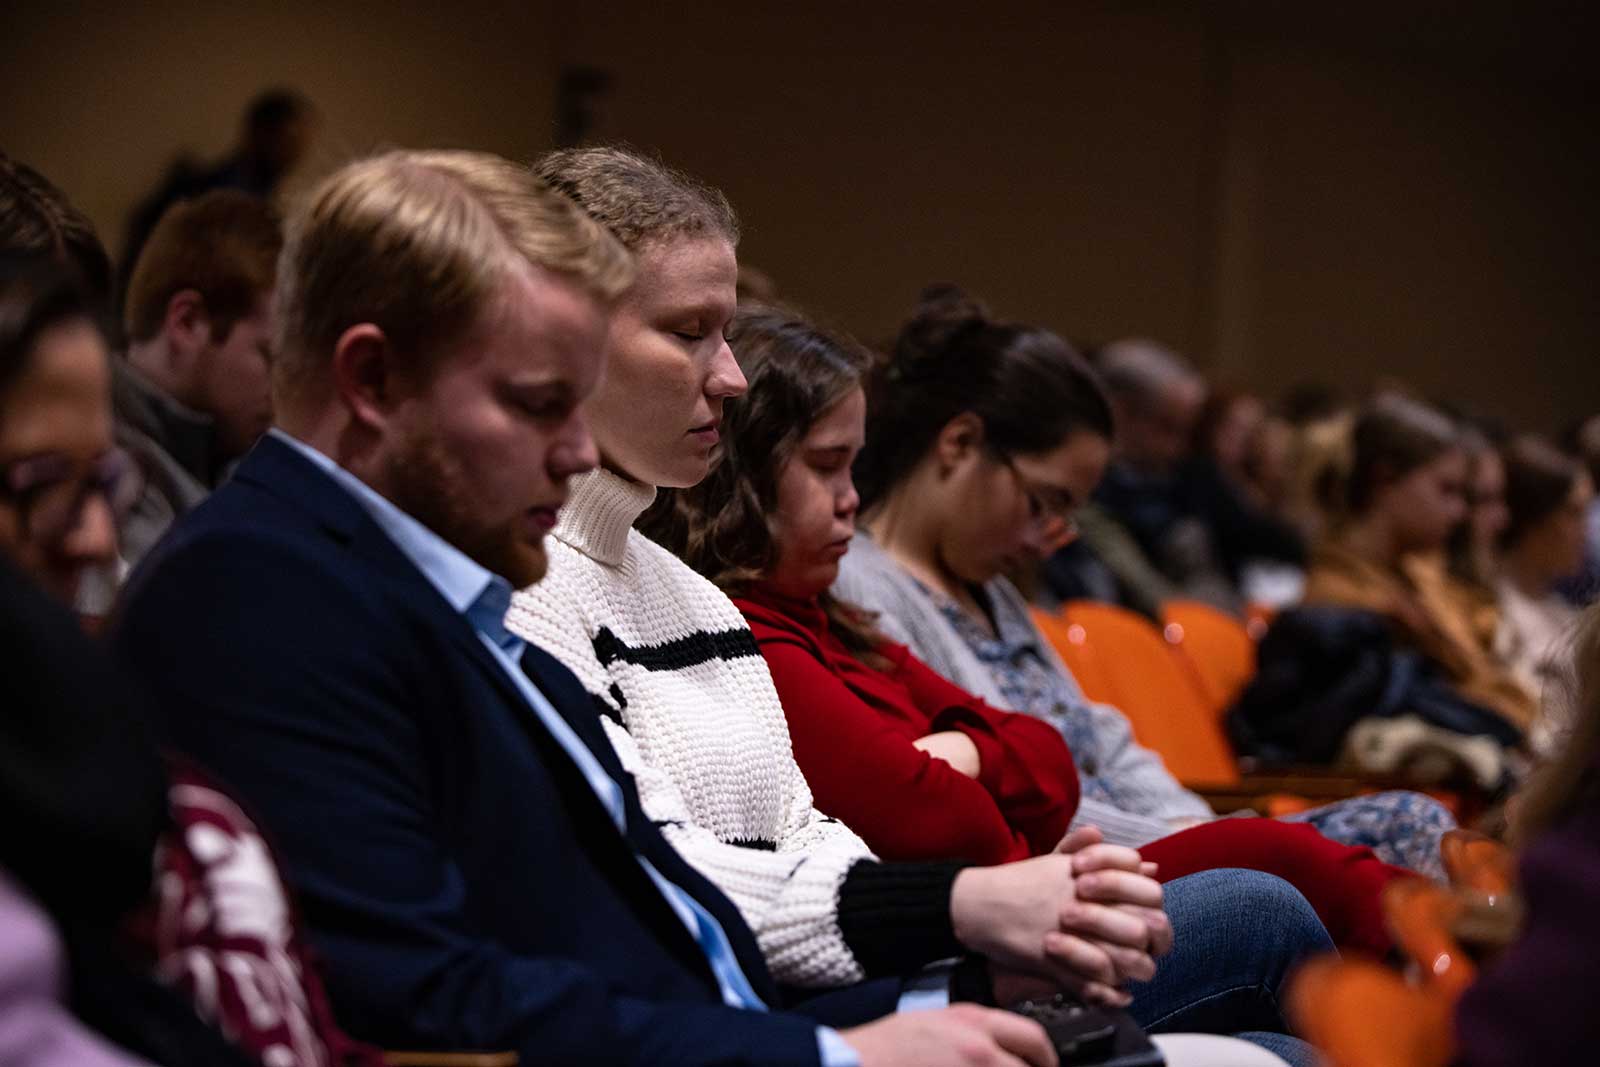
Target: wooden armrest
x: 450, y: 1059
x: 1253, y: 770
x: 1323, y: 785
x: 1260, y: 785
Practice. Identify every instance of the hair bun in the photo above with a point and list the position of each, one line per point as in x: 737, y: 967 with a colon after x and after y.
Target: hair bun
x: 943, y: 310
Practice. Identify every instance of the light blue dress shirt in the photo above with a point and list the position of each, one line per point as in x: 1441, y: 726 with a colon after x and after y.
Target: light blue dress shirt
x: 483, y: 599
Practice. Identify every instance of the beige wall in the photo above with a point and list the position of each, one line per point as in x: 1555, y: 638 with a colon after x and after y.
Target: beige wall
x: 1369, y: 197
x: 102, y: 96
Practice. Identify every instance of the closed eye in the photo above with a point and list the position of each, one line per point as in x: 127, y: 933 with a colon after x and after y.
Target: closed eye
x: 831, y: 460
x: 548, y: 403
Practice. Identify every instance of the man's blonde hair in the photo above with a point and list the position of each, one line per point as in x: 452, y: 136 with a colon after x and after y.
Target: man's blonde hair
x: 418, y: 243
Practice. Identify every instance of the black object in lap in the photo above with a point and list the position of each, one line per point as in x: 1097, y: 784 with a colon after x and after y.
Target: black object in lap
x: 1089, y: 1036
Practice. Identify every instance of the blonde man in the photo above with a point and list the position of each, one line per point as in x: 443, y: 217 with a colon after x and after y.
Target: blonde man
x: 468, y: 850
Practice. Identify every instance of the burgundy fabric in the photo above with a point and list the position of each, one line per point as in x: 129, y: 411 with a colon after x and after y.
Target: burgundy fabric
x: 223, y: 931
x: 1343, y: 884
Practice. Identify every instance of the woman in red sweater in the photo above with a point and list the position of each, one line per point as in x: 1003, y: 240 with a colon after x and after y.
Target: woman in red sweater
x: 919, y: 768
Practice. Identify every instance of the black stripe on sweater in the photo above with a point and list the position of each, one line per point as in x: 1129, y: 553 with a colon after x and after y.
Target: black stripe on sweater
x: 755, y: 843
x: 699, y: 647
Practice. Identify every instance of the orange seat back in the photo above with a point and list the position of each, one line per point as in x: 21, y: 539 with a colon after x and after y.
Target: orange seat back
x: 1361, y: 1014
x: 1478, y: 864
x: 1214, y: 645
x: 1120, y: 658
x: 1421, y: 916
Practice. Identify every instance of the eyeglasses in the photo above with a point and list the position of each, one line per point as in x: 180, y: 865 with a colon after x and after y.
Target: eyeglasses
x: 1049, y: 506
x: 49, y: 492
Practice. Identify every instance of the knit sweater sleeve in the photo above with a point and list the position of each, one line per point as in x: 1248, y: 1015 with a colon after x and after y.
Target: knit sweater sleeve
x: 1027, y: 766
x: 823, y: 910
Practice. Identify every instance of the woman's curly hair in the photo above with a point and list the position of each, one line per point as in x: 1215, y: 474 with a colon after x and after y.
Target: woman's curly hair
x: 724, y: 527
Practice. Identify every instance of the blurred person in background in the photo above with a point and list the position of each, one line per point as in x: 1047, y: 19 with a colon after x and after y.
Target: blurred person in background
x: 64, y: 481
x: 91, y: 812
x: 1473, y: 553
x: 1142, y: 526
x: 1466, y: 570
x: 36, y: 220
x: 1548, y: 497
x: 1534, y: 1003
x: 1230, y: 484
x: 1583, y: 441
x: 1229, y: 420
x: 1405, y: 493
x: 275, y: 135
x: 193, y: 394
x: 1318, y: 462
x: 1265, y: 467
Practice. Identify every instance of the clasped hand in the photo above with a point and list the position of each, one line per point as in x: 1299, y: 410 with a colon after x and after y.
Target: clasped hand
x: 1085, y: 919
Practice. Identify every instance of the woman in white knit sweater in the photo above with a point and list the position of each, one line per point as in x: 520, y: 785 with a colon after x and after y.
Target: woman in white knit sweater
x: 690, y: 705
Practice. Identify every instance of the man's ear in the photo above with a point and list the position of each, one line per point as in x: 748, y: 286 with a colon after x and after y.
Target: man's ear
x: 186, y: 326
x: 960, y: 438
x: 365, y: 374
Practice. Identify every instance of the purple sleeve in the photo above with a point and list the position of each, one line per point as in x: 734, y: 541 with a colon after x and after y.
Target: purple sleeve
x: 36, y: 1030
x: 1536, y: 1003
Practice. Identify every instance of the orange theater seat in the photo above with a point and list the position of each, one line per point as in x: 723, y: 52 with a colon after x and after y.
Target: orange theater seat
x: 1360, y: 1014
x: 1477, y: 863
x: 1215, y: 646
x: 1120, y: 658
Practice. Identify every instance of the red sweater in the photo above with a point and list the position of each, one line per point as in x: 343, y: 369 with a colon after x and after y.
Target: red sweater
x: 853, y: 726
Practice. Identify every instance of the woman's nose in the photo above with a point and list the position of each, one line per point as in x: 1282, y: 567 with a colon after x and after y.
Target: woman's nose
x: 726, y: 379
x: 93, y: 538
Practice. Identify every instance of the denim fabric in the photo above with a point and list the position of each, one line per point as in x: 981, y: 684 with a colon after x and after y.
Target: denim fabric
x: 1290, y: 1050
x: 1239, y: 934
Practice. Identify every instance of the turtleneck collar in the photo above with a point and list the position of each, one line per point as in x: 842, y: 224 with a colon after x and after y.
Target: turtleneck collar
x: 807, y: 611
x: 600, y: 510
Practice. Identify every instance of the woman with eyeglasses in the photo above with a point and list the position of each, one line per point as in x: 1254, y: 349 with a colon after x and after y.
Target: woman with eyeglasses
x: 62, y: 482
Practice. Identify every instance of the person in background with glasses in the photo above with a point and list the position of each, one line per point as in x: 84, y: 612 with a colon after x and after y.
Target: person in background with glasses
x: 220, y: 933
x: 63, y: 484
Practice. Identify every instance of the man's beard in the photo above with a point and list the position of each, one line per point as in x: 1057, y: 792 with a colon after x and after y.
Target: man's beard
x: 430, y: 485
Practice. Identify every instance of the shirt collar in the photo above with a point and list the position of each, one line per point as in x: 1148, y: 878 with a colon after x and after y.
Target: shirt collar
x: 466, y: 585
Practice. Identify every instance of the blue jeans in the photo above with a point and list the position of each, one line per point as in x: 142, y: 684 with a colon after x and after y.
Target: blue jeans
x: 1237, y: 935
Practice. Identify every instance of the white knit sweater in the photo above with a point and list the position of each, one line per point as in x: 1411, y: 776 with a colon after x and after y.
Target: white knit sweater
x: 692, y: 711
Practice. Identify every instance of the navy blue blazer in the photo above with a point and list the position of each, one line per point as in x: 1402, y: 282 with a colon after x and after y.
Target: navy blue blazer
x: 461, y: 880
